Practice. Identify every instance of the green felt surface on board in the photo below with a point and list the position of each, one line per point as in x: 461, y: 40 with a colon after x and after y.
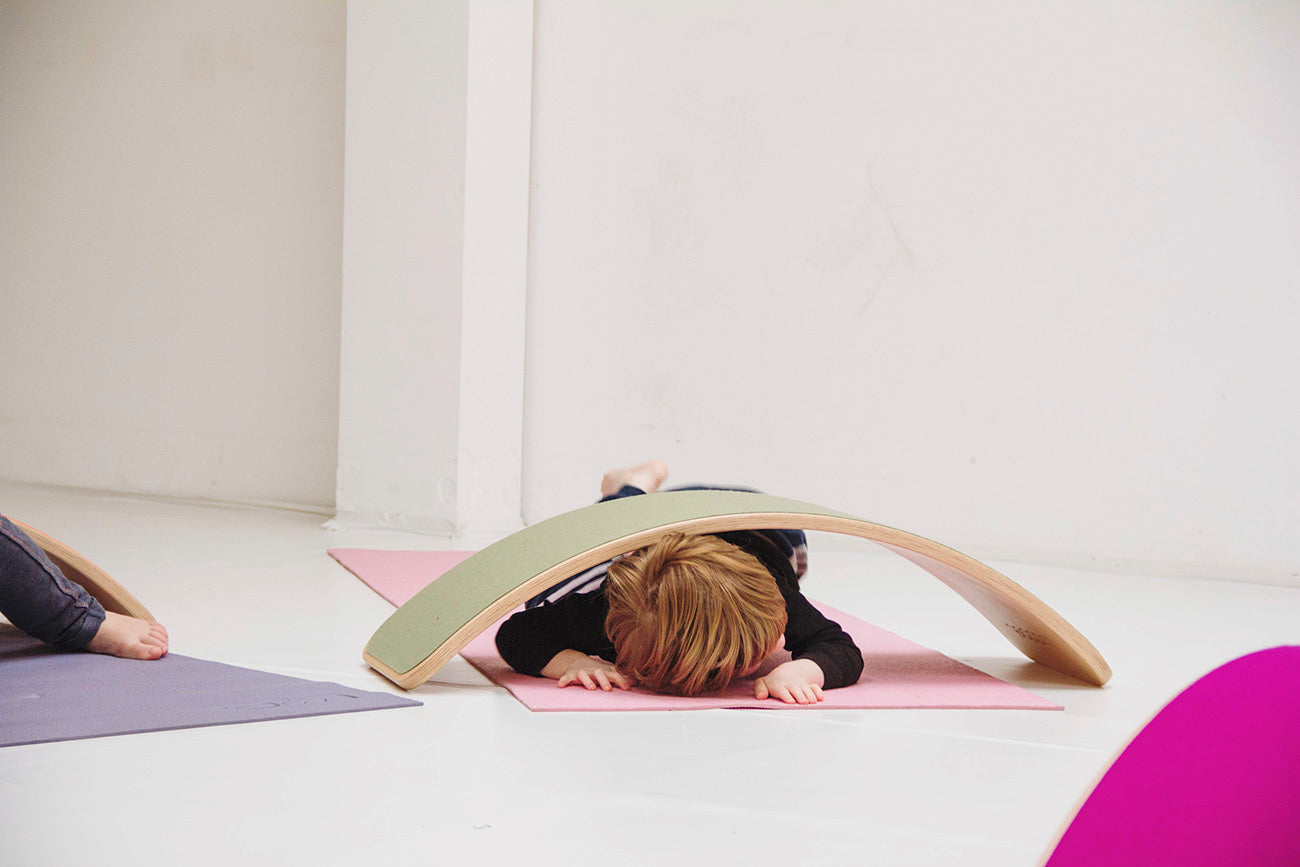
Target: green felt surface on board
x: 433, y: 615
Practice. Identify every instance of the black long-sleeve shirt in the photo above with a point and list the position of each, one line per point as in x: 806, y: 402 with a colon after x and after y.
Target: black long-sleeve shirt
x: 531, y: 638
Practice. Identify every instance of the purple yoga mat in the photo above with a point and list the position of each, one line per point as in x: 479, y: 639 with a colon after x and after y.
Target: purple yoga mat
x: 51, y: 695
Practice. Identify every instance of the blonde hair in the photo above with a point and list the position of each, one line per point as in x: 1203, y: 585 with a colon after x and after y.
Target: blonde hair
x: 689, y: 613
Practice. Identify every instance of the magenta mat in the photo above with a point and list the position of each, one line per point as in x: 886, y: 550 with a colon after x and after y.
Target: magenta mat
x: 898, y: 674
x: 1213, y: 779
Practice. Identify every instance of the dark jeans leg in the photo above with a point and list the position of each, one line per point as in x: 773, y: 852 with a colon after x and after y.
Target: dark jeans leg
x: 38, y: 599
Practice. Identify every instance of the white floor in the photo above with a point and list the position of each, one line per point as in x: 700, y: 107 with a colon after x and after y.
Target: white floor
x: 472, y: 775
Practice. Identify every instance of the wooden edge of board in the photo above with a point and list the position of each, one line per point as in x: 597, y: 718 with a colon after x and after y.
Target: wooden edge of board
x: 1027, y: 622
x: 98, y: 583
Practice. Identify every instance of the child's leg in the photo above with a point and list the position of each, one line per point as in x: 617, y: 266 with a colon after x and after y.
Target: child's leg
x: 793, y: 543
x: 35, y: 597
x: 647, y: 477
x: 39, y: 600
x: 644, y: 478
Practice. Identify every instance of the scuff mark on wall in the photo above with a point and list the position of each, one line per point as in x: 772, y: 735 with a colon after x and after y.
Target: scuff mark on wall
x: 866, y: 246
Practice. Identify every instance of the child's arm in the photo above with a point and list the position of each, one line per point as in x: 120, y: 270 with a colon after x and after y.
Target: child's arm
x: 810, y: 636
x: 531, y: 641
x: 574, y: 666
x: 798, y: 681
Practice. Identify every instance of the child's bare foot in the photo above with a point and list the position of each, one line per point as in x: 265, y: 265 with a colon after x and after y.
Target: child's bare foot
x: 129, y: 638
x: 647, y: 476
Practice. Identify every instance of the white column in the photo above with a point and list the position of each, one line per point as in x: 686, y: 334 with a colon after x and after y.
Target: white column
x: 434, y: 265
x: 403, y: 238
x: 495, y: 262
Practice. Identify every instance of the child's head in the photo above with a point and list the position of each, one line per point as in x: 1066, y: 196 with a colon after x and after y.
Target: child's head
x: 689, y: 613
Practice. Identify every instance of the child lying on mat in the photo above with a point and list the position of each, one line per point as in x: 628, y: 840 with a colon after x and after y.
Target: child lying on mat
x: 37, y: 598
x: 684, y: 616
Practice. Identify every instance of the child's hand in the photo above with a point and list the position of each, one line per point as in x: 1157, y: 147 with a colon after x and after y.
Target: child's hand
x: 798, y: 681
x: 572, y: 666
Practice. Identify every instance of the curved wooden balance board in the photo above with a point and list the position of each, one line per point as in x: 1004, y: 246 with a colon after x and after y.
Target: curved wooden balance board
x: 98, y: 583
x: 436, y: 624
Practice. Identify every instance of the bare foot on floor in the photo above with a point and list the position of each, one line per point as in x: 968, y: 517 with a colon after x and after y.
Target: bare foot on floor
x: 647, y: 476
x: 129, y: 638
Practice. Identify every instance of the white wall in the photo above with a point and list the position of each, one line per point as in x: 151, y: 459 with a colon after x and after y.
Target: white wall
x: 1018, y: 276
x: 170, y: 223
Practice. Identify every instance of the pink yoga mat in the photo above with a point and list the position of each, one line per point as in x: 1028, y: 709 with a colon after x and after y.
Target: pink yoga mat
x: 898, y: 674
x: 397, y: 575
